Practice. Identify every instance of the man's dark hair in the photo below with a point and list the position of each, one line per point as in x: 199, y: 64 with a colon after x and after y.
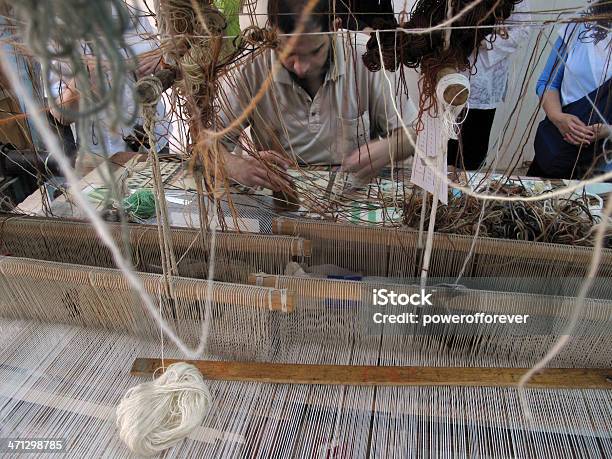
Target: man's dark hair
x: 285, y: 15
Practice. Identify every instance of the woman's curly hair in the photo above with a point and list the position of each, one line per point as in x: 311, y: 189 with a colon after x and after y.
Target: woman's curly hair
x: 427, y: 50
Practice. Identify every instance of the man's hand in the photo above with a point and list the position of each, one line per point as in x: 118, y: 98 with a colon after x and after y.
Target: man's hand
x: 265, y: 170
x: 572, y: 129
x: 365, y: 162
x: 149, y: 63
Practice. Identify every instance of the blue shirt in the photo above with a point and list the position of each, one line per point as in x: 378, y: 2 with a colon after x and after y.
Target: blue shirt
x: 588, y: 70
x: 575, y: 53
x: 552, y: 75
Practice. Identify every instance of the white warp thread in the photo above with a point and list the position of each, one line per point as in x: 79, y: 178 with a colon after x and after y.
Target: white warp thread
x: 155, y: 415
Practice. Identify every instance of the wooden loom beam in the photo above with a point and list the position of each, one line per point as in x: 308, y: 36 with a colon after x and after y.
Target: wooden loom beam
x: 403, y: 238
x: 55, y: 229
x: 363, y: 375
x: 462, y: 300
x: 281, y: 300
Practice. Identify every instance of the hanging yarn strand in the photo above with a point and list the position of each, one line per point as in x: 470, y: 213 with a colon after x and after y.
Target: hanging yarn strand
x: 433, y: 143
x: 163, y: 223
x: 422, y: 43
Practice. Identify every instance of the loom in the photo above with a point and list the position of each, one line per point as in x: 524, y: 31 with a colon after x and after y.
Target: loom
x: 70, y: 386
x: 292, y: 367
x: 384, y: 252
x: 469, y: 406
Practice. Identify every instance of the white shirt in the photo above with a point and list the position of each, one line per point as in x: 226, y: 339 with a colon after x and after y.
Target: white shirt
x: 488, y: 86
x: 352, y: 106
x: 140, y: 38
x: 587, y: 65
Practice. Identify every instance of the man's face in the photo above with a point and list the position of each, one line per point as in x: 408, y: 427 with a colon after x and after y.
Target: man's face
x: 308, y: 56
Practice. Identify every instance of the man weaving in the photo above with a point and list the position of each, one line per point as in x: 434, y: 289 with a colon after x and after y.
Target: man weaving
x: 324, y: 107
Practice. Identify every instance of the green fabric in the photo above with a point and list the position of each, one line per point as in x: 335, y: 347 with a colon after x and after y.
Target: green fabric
x: 231, y: 11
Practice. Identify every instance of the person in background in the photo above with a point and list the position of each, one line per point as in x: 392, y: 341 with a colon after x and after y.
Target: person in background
x: 108, y: 139
x: 324, y: 107
x: 488, y: 87
x: 574, y: 88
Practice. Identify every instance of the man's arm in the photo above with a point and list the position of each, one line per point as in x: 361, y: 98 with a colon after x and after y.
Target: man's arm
x: 390, y: 112
x: 367, y: 161
x: 263, y: 168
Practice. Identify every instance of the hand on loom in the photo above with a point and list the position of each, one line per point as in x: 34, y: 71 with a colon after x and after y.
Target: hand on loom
x: 264, y: 170
x: 367, y: 161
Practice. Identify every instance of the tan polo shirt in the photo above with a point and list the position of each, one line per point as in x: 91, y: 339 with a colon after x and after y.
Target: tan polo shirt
x: 352, y: 106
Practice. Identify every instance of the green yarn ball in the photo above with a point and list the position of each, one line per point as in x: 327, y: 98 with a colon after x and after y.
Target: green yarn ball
x: 140, y: 204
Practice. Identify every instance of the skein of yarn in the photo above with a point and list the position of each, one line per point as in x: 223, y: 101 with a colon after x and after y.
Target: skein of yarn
x: 156, y: 415
x: 452, y: 92
x: 140, y: 204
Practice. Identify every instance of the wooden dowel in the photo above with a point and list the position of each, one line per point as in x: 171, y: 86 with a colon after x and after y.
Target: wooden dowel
x: 332, y: 231
x: 301, y: 248
x: 284, y: 226
x: 361, y: 375
x: 535, y: 305
x: 262, y: 280
x: 183, y: 288
x: 277, y: 302
x: 316, y: 288
x: 147, y: 95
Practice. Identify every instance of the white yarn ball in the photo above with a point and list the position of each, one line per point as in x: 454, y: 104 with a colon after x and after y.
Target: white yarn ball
x: 154, y: 415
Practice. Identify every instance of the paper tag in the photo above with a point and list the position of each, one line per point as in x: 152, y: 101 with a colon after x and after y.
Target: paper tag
x: 431, y: 143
